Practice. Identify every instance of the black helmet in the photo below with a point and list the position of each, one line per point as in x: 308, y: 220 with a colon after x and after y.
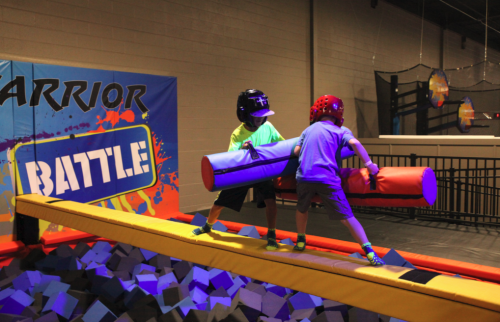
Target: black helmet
x: 252, y: 102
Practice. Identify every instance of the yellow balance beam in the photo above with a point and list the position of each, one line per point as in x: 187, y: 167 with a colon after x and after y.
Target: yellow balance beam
x: 339, y: 278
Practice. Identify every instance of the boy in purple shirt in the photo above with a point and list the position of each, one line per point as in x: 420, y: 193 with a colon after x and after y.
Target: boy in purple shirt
x: 318, y: 150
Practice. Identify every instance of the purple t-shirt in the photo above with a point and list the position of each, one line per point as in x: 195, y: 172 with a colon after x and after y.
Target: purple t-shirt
x: 319, y: 157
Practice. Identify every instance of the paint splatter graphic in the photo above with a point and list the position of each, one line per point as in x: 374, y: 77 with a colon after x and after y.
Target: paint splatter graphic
x: 114, y: 117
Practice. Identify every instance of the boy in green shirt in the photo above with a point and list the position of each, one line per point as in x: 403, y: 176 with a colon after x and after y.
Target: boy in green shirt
x: 252, y: 110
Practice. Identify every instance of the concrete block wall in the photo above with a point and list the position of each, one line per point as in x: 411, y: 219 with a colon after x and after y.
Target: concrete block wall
x: 217, y: 48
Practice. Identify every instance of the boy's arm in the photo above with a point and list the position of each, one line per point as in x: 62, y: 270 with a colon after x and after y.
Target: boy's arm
x: 296, y: 151
x: 363, y: 155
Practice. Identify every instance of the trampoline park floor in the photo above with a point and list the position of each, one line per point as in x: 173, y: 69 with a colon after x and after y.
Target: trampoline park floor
x: 477, y: 245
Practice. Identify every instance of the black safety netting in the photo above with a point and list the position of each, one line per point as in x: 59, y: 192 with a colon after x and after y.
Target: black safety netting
x: 480, y: 82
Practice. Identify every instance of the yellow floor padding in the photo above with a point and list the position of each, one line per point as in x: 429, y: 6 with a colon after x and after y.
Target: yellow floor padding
x: 339, y: 278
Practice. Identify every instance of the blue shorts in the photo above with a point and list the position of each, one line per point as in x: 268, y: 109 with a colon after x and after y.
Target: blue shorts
x: 333, y: 199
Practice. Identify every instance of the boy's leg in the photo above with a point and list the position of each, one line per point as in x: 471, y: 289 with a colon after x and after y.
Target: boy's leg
x: 301, y: 220
x: 271, y: 215
x: 356, y: 230
x: 265, y: 190
x: 359, y: 234
x: 212, y: 218
x: 338, y: 207
x: 214, y: 214
x: 305, y: 192
x: 229, y: 198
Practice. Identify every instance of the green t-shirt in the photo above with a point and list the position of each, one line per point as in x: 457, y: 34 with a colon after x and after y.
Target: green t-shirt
x: 265, y: 134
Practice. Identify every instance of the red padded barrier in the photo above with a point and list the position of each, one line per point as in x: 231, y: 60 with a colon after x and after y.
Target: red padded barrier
x: 391, y: 187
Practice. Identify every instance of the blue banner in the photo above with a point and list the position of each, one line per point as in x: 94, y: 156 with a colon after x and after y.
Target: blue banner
x: 88, y: 135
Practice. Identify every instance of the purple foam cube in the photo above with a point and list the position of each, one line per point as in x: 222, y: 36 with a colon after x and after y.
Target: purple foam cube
x: 409, y: 265
x: 249, y: 231
x: 44, y: 282
x: 114, y: 260
x: 134, y: 295
x: 302, y: 314
x: 98, y: 312
x: 220, y: 292
x: 197, y: 277
x: 219, y: 278
x: 393, y: 258
x: 101, y: 246
x: 174, y: 294
x: 249, y: 302
x: 102, y: 257
x: 147, y: 254
x: 184, y: 306
x: 212, y: 300
x: 61, y: 303
x: 5, y: 294
x: 245, y: 279
x: 256, y: 288
x: 318, y: 301
x: 96, y: 269
x: 278, y: 290
x: 55, y: 287
x: 123, y: 275
x: 198, y: 295
x: 88, y: 257
x: 329, y: 316
x: 49, y: 317
x: 268, y: 319
x: 275, y: 306
x: 356, y: 255
x: 181, y: 269
x: 113, y: 288
x: 16, y: 303
x: 148, y: 282
x: 140, y: 267
x: 160, y: 261
x: 287, y: 241
x: 218, y: 226
x: 127, y: 284
x: 124, y: 248
x: 75, y: 264
x: 127, y: 264
x: 26, y: 280
x: 238, y: 283
x: 165, y: 309
x: 198, y: 220
x: 164, y: 281
x: 202, y: 306
x: 97, y: 283
x: 301, y: 301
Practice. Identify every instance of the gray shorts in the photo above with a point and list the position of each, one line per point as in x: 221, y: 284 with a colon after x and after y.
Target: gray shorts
x: 333, y: 199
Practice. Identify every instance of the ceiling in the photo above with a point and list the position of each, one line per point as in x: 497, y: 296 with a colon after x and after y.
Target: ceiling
x: 465, y: 17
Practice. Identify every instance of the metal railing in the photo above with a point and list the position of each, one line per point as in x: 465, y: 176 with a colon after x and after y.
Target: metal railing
x: 468, y: 188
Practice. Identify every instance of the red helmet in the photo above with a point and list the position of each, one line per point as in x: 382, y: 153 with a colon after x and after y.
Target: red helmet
x: 328, y: 105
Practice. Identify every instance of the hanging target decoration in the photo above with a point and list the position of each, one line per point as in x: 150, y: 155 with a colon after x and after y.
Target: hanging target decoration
x: 465, y: 115
x: 438, y: 88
